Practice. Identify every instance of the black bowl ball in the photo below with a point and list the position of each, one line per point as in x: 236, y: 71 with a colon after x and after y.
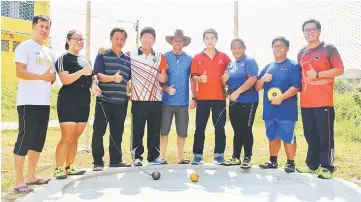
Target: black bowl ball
x: 156, y: 175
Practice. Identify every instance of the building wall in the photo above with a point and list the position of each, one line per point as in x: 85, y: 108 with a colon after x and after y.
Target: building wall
x: 15, y: 31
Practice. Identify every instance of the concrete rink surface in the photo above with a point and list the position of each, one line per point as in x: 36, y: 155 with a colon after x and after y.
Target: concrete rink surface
x: 216, y: 183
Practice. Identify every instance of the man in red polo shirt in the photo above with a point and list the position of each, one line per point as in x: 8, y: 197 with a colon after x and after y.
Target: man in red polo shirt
x: 320, y: 63
x: 207, y: 70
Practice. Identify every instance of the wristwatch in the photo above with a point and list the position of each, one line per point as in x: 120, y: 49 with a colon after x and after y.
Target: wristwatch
x: 317, y: 74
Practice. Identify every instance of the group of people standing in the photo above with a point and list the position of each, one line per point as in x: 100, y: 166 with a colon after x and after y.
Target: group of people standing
x: 159, y: 87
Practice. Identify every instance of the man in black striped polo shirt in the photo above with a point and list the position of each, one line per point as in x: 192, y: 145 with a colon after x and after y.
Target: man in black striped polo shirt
x: 113, y: 72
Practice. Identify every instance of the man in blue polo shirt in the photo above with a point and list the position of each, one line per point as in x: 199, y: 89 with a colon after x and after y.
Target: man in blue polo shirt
x: 176, y: 95
x: 281, y: 80
x: 113, y: 71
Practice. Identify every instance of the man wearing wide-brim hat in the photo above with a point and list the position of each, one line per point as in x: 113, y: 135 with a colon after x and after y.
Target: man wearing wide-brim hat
x: 176, y: 94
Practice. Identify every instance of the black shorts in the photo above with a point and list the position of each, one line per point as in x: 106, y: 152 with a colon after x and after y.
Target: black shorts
x: 72, y: 108
x: 33, y: 125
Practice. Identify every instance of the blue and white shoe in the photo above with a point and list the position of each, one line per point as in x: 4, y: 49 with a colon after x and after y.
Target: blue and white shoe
x: 157, y: 161
x: 219, y: 159
x: 197, y: 160
x: 137, y: 162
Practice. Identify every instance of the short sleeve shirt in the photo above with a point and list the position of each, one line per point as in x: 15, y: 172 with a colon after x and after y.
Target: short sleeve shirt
x: 284, y: 76
x: 109, y: 64
x: 145, y: 70
x: 179, y: 68
x: 321, y: 58
x: 214, y: 68
x: 37, y: 59
x: 79, y: 89
x: 239, y: 72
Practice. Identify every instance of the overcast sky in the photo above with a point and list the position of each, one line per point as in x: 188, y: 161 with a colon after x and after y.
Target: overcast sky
x: 259, y: 23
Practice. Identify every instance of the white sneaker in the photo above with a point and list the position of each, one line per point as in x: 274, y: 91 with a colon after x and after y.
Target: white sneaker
x: 137, y: 162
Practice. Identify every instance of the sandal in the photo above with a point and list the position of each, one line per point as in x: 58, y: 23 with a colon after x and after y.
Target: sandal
x: 39, y: 181
x: 184, y: 161
x: 23, y: 189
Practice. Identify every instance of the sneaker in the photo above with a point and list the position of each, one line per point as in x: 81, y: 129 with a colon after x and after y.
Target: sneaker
x: 324, y: 173
x: 164, y: 161
x: 137, y: 162
x: 197, y: 160
x: 72, y: 170
x: 117, y: 165
x: 60, y: 173
x: 219, y: 160
x: 246, y: 163
x: 307, y: 169
x: 157, y: 161
x: 232, y: 162
x: 98, y: 167
x: 290, y: 168
x: 269, y: 165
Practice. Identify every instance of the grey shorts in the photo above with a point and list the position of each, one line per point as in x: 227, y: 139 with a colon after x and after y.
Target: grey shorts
x: 181, y: 120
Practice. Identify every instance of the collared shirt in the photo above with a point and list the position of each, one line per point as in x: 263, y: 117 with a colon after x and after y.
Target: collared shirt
x: 239, y: 72
x: 109, y: 64
x: 213, y: 89
x: 284, y: 75
x: 321, y: 58
x: 145, y: 70
x: 179, y: 67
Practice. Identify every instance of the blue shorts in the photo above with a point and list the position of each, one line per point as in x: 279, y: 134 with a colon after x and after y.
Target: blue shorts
x: 281, y: 129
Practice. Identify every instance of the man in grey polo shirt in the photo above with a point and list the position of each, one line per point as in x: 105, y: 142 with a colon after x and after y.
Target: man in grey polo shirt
x: 113, y: 71
x: 176, y: 95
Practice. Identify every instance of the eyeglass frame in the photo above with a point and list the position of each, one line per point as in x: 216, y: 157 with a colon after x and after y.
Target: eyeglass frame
x: 312, y: 30
x: 78, y: 40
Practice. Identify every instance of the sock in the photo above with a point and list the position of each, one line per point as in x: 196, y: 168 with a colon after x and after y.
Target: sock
x: 291, y: 162
x: 273, y: 159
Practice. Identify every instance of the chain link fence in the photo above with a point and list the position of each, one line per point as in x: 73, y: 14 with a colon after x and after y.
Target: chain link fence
x: 66, y: 18
x: 340, y: 27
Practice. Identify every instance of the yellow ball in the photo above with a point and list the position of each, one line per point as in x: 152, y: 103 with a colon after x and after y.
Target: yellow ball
x: 194, y: 177
x: 273, y: 92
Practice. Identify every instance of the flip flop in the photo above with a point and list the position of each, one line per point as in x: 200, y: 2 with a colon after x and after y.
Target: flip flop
x: 20, y: 190
x: 39, y: 182
x: 184, y: 161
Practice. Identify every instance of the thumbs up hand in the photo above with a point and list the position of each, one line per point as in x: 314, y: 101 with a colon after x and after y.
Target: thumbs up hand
x: 311, y: 74
x: 162, y: 77
x: 225, y: 76
x: 87, y: 71
x: 204, y: 77
x: 171, y: 90
x: 48, y: 76
x: 117, y: 78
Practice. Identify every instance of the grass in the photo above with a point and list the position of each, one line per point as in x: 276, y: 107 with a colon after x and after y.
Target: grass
x: 347, y: 142
x: 8, y: 103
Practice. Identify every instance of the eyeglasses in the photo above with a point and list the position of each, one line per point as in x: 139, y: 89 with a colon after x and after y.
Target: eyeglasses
x: 312, y: 30
x: 279, y: 46
x: 78, y: 40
